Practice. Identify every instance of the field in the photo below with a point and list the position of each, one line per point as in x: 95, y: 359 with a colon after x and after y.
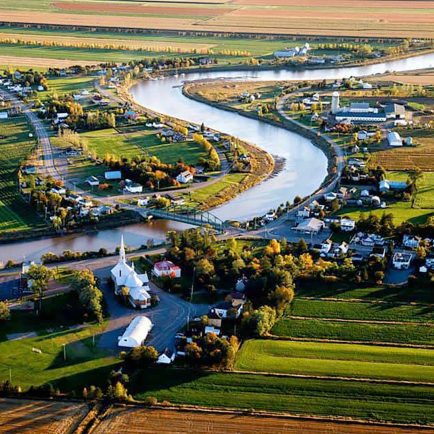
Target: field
x: 40, y: 417
x: 14, y: 147
x: 407, y: 158
x: 337, y: 360
x: 396, y: 18
x: 85, y: 364
x: 142, y: 142
x: 133, y: 420
x: 294, y: 395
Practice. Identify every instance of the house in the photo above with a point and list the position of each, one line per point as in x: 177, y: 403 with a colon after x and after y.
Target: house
x: 125, y: 276
x: 429, y: 262
x: 132, y: 187
x: 326, y: 246
x: 362, y: 135
x: 92, y: 181
x: 113, y: 174
x: 166, y: 269
x: 410, y: 241
x: 238, y: 298
x: 303, y: 212
x: 226, y: 309
x: 58, y: 190
x: 310, y: 226
x: 143, y: 202
x: 330, y: 197
x: 347, y: 225
x: 401, y: 261
x: 394, y: 139
x: 210, y: 329
x: 184, y: 177
x: 166, y: 357
x: 136, y: 333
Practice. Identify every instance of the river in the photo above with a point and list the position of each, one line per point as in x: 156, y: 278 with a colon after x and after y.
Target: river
x: 304, y: 169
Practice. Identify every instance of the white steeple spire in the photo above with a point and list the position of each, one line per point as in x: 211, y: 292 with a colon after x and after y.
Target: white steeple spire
x: 122, y: 257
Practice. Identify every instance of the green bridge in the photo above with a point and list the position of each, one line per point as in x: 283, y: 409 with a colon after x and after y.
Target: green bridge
x: 188, y: 215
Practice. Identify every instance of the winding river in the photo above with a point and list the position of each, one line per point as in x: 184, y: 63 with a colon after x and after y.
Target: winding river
x: 304, y: 169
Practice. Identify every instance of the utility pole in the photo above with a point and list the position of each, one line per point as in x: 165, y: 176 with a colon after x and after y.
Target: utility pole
x: 192, y: 284
x: 64, y: 352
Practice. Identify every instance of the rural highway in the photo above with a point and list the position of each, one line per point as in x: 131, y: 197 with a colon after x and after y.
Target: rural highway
x: 40, y: 131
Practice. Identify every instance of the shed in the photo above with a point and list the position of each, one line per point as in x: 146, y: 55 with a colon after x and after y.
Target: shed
x: 136, y: 332
x: 113, y: 174
x: 394, y: 139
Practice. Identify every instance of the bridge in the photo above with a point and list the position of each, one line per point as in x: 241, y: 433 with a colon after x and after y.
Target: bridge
x: 186, y: 214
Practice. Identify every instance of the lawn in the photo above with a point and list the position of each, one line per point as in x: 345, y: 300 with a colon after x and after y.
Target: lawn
x: 351, y: 331
x: 58, y: 325
x: 337, y: 360
x: 298, y: 396
x: 63, y: 86
x: 361, y: 310
x: 14, y: 148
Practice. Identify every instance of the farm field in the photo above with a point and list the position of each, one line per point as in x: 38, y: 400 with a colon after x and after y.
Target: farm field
x: 360, y: 310
x: 342, y: 360
x: 133, y: 419
x: 408, y: 158
x: 293, y: 395
x: 353, y: 331
x: 390, y: 19
x: 14, y: 147
x: 40, y: 417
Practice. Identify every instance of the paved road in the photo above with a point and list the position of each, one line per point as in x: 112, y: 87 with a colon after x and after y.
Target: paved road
x: 40, y: 131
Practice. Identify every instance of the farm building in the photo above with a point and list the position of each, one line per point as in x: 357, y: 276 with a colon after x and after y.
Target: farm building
x: 136, y: 333
x: 92, y: 181
x: 166, y: 358
x: 113, y: 174
x: 394, y: 139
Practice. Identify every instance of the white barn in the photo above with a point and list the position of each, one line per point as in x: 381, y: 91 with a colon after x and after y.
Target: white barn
x: 136, y: 333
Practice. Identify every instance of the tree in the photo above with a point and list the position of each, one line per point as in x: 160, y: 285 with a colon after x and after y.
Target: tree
x: 39, y: 276
x: 414, y: 176
x: 282, y: 296
x: 4, y: 311
x: 90, y: 296
x: 143, y: 355
x: 264, y: 319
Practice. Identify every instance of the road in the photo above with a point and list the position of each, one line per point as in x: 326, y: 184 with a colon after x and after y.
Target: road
x: 40, y: 132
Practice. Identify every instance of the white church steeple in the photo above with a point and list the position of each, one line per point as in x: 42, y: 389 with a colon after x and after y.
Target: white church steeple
x: 122, y: 257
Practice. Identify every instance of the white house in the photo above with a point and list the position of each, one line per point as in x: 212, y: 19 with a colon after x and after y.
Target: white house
x: 325, y: 247
x: 348, y: 225
x: 58, y: 190
x: 166, y: 268
x: 132, y: 187
x: 394, y: 139
x: 136, y: 333
x: 124, y: 275
x: 184, y: 177
x: 303, y: 212
x: 92, y: 181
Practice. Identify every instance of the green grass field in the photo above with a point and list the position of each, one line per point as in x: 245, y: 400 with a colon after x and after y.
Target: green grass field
x: 58, y: 325
x: 351, y: 331
x: 300, y: 396
x: 14, y: 147
x: 360, y: 311
x: 141, y: 143
x: 343, y: 360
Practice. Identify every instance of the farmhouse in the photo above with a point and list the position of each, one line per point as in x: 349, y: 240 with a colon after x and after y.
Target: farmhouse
x: 136, y: 333
x: 166, y: 269
x: 124, y: 275
x: 132, y: 187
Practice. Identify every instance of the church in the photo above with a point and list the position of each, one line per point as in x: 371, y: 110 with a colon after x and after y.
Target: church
x: 124, y: 275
